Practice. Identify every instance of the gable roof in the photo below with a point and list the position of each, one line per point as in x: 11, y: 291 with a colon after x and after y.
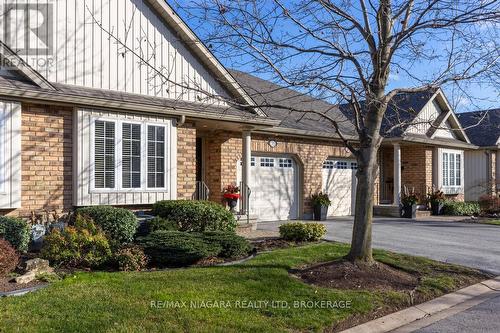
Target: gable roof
x: 7, y: 55
x: 482, y: 127
x: 268, y: 93
x: 402, y: 110
x: 192, y: 41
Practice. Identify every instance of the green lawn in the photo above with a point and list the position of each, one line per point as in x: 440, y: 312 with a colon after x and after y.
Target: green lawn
x: 121, y: 302
x: 492, y: 222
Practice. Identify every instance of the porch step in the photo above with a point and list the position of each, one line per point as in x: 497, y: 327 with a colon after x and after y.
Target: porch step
x: 386, y: 210
x: 246, y: 224
x: 423, y: 213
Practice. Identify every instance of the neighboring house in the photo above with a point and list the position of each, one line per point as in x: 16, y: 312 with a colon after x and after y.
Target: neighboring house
x: 482, y: 166
x: 84, y: 122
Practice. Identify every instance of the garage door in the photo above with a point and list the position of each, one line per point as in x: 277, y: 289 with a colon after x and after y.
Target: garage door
x: 274, y: 188
x: 339, y: 182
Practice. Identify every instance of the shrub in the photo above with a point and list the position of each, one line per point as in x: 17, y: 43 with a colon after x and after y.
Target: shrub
x: 321, y: 199
x: 131, y: 258
x: 302, y: 232
x: 489, y: 204
x: 457, y: 208
x: 83, y: 245
x: 118, y: 224
x: 159, y: 223
x: 176, y: 248
x: 196, y: 216
x: 16, y: 231
x: 8, y: 258
x: 232, y: 245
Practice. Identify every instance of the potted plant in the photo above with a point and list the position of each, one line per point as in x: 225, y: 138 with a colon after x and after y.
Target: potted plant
x: 320, y: 202
x: 409, y: 206
x: 232, y: 194
x: 437, y: 199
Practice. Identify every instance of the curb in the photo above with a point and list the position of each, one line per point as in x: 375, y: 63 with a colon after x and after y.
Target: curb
x: 404, y: 317
x: 22, y: 292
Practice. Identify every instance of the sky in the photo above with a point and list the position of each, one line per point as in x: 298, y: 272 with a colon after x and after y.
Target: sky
x: 484, y: 96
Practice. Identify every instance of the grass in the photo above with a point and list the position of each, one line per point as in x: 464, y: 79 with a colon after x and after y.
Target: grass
x: 491, y: 222
x: 121, y: 302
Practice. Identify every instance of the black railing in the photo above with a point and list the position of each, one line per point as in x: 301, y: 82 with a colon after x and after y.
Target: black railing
x: 202, y: 191
x: 245, y: 200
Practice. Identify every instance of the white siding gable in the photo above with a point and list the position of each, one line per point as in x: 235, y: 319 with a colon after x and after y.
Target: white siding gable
x: 10, y: 155
x: 86, y: 55
x: 445, y: 131
x: 422, y: 122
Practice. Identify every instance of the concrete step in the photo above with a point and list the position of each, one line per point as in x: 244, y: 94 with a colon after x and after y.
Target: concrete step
x: 423, y: 213
x: 246, y: 223
x: 386, y: 210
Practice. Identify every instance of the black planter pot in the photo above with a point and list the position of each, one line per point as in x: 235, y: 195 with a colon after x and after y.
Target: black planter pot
x: 409, y: 211
x: 232, y: 203
x: 320, y: 212
x: 437, y: 207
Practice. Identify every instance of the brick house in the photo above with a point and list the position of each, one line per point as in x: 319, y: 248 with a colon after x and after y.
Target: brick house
x: 85, y: 123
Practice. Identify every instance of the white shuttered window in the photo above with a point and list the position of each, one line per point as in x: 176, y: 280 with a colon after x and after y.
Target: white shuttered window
x: 156, y: 156
x: 104, y: 154
x: 129, y: 156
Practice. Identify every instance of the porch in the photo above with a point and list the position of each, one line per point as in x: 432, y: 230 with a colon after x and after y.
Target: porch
x: 403, y: 169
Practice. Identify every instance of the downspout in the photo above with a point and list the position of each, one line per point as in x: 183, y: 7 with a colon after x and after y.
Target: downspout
x: 181, y: 120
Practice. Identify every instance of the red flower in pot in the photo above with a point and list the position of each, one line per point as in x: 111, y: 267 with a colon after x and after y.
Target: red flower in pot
x: 232, y: 194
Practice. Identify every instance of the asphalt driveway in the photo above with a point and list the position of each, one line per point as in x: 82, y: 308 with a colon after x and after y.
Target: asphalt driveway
x: 473, y: 245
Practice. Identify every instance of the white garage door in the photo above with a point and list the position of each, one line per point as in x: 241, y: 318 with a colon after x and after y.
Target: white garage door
x: 339, y: 182
x: 274, y: 186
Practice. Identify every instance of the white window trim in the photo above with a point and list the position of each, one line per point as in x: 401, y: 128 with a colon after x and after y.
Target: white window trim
x: 451, y: 189
x: 118, y: 156
x: 3, y: 152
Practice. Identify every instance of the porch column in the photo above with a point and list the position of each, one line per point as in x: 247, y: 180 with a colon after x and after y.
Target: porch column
x: 397, y: 174
x: 245, y: 170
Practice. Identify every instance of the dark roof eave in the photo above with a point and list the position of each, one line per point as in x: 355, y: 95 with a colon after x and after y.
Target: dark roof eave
x: 305, y: 133
x: 58, y: 98
x: 432, y: 142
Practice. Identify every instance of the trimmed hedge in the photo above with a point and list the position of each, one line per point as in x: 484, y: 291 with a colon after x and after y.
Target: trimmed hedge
x: 119, y: 224
x: 232, y: 245
x: 159, y: 223
x: 457, y: 208
x: 196, y: 216
x: 176, y: 248
x: 302, y: 232
x: 83, y: 245
x: 16, y: 231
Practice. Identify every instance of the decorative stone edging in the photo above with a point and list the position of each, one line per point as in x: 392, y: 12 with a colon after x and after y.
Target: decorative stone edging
x: 24, y: 291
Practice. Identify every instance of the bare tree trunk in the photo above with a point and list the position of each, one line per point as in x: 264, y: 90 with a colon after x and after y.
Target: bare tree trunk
x: 361, y: 244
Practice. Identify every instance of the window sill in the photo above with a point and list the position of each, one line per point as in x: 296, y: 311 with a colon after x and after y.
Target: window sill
x: 452, y: 190
x: 125, y: 191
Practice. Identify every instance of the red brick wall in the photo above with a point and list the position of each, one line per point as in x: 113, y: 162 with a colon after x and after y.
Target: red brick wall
x: 186, y: 161
x: 46, y: 154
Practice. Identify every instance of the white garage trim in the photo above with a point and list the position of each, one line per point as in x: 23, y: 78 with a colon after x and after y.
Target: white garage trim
x: 339, y: 182
x: 275, y: 187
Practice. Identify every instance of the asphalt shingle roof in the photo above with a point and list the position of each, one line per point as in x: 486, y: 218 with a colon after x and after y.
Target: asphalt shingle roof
x: 267, y: 93
x: 403, y: 107
x: 482, y: 127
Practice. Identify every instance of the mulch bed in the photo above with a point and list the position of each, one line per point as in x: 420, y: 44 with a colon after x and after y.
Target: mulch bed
x: 346, y: 275
x: 6, y: 285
